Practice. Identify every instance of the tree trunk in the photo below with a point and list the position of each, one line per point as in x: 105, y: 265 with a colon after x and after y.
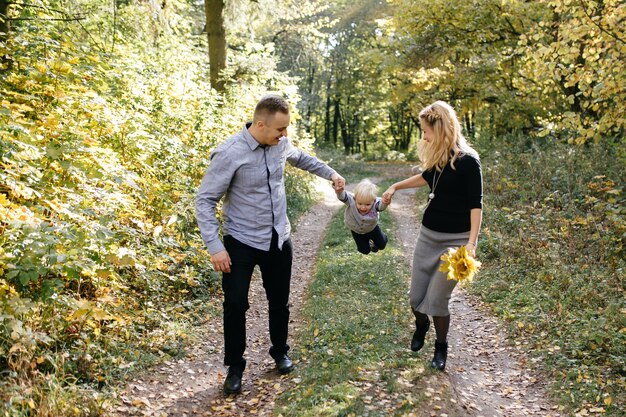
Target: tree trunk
x: 327, y: 120
x: 336, y: 117
x: 309, y: 104
x: 6, y: 61
x: 216, y: 33
x: 401, y: 125
x: 345, y: 134
x: 5, y: 25
x: 468, y: 120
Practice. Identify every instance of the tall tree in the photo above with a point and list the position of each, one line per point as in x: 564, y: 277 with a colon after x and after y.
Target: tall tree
x: 4, y: 21
x: 216, y: 33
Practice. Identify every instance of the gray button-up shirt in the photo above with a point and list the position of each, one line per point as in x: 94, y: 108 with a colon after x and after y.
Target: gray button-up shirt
x: 357, y: 222
x: 252, y: 179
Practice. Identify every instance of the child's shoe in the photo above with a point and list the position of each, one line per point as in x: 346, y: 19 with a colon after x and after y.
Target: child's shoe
x: 373, y: 247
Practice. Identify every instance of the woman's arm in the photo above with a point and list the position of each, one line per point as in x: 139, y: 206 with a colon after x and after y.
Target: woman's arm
x: 474, y: 179
x: 411, y: 182
x: 476, y: 218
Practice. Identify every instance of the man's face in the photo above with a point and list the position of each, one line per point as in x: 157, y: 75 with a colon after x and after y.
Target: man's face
x: 275, y: 128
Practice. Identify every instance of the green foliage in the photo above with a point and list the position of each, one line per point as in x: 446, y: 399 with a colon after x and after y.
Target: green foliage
x: 541, y: 68
x: 104, y: 137
x: 544, y: 67
x: 554, y: 244
x: 351, y: 167
x: 358, y: 352
x: 575, y: 54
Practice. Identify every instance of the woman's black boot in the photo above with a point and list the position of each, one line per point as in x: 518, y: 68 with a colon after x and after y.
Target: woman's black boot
x: 421, y: 327
x: 441, y: 354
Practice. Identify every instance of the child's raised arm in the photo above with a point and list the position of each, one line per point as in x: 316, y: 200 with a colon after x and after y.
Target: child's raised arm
x: 381, y: 205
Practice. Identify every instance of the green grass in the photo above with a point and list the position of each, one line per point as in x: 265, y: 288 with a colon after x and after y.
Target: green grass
x: 357, y: 327
x: 553, y: 246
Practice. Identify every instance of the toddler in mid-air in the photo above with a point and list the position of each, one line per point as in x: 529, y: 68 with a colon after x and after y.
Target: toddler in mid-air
x: 362, y: 216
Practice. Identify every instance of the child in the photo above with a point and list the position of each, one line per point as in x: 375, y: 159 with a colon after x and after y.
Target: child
x: 362, y: 216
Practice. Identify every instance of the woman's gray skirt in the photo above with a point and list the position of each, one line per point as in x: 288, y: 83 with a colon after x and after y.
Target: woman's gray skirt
x: 430, y: 288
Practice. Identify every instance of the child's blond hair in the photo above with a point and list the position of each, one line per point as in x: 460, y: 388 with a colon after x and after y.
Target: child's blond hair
x: 365, y: 191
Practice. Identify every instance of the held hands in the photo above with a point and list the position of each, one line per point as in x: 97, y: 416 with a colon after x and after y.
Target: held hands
x: 387, y: 195
x: 221, y: 261
x: 339, y: 183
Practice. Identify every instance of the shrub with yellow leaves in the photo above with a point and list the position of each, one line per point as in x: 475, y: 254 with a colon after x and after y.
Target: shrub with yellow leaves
x: 459, y: 265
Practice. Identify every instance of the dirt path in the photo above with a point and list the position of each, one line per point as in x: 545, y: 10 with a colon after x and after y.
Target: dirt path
x: 193, y: 386
x: 485, y: 376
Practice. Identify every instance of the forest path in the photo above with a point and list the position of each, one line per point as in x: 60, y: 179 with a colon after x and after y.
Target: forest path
x: 485, y: 375
x: 192, y: 386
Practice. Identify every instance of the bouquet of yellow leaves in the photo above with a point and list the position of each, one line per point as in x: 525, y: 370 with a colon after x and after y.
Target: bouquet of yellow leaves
x: 459, y: 264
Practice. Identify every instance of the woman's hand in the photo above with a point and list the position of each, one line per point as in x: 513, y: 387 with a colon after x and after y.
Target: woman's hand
x: 388, y: 194
x: 471, y: 248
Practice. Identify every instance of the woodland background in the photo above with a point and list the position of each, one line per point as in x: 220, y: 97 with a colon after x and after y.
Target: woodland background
x: 109, y: 110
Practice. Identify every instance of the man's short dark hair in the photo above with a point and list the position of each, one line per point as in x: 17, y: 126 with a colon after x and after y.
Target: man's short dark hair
x: 269, y: 105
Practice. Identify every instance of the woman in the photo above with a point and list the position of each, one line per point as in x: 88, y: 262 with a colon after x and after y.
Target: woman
x: 453, y: 215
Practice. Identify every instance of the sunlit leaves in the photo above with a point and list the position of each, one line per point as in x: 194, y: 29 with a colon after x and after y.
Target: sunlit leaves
x: 102, y: 151
x: 554, y: 255
x: 553, y: 65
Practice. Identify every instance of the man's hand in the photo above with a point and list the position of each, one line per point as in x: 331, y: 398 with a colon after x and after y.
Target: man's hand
x: 338, y: 182
x: 221, y: 261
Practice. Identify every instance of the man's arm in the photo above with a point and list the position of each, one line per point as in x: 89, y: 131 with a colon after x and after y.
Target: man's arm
x: 214, y: 185
x: 304, y: 161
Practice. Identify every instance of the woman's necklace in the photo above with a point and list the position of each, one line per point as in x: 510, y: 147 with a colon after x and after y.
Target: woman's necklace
x: 435, y: 182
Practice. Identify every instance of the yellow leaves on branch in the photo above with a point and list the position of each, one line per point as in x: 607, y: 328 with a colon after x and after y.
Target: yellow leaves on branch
x: 85, y: 308
x: 459, y: 265
x: 61, y: 67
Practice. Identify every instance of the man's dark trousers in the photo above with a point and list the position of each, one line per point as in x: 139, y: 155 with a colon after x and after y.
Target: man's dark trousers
x: 275, y: 266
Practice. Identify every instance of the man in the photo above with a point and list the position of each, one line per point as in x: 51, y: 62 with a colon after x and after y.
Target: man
x: 248, y: 170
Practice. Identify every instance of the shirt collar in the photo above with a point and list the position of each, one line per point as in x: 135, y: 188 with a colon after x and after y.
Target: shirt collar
x: 250, y: 140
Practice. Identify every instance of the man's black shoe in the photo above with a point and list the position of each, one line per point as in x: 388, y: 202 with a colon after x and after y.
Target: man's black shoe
x: 284, y: 364
x: 232, y: 384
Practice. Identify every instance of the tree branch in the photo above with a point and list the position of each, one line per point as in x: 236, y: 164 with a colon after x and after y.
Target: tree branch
x: 584, y: 6
x: 34, y: 6
x: 277, y: 34
x: 73, y: 19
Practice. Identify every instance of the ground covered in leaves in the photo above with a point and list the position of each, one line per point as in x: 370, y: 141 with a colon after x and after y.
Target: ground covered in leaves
x: 351, y: 348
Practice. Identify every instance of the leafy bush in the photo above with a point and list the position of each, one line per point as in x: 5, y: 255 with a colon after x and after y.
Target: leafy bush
x: 102, y: 268
x: 554, y: 245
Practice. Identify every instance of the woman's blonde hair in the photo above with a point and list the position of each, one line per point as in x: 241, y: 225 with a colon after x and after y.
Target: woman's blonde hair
x: 365, y: 191
x: 449, y: 143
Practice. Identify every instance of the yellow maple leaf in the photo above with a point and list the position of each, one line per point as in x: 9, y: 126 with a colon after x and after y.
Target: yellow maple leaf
x: 61, y: 67
x: 4, y: 202
x: 41, y: 67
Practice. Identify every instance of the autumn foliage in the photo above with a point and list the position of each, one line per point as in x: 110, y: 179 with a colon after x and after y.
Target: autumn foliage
x: 103, y: 144
x: 107, y: 119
